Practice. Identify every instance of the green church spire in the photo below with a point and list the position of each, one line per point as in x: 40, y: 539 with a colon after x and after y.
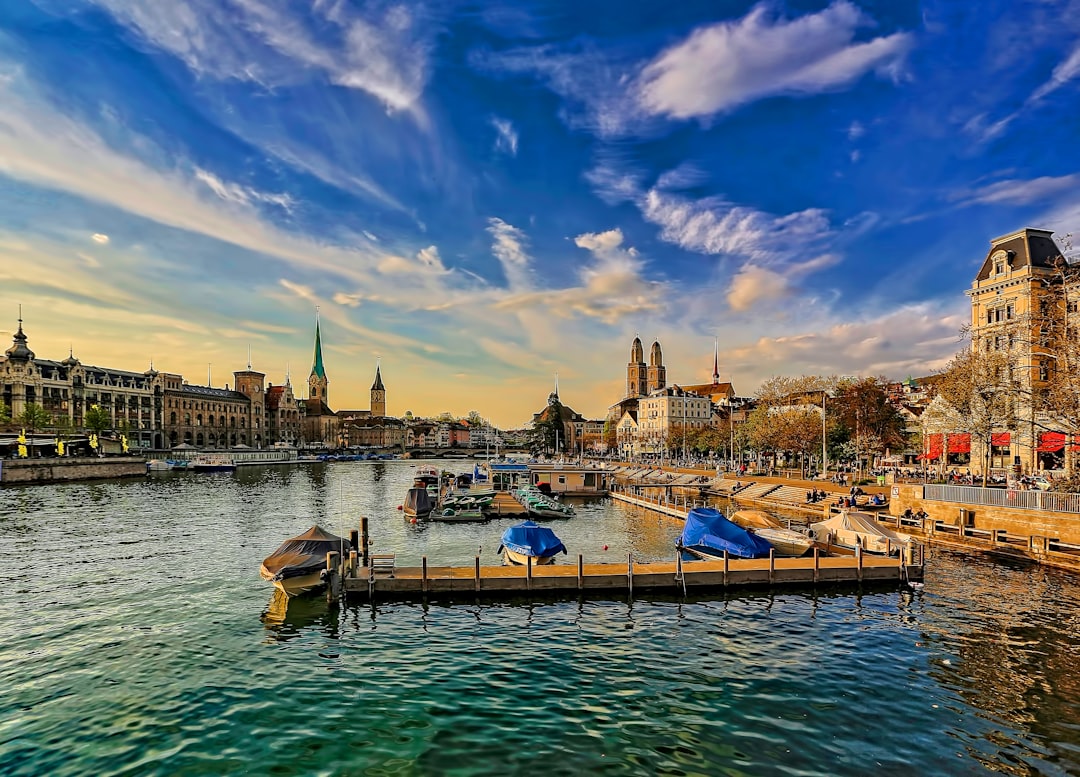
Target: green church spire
x: 317, y: 370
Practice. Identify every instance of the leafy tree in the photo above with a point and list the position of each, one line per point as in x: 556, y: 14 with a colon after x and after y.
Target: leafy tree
x: 475, y: 419
x: 548, y: 433
x: 33, y: 417
x: 97, y: 419
x: 5, y: 412
x: 873, y: 423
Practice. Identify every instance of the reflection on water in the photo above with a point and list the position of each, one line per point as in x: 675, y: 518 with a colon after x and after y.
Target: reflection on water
x: 141, y: 650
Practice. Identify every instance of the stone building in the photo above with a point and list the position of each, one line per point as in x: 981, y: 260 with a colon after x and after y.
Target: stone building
x: 320, y: 427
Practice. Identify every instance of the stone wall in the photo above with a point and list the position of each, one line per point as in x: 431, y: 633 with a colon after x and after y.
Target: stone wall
x: 1015, y: 521
x: 54, y: 470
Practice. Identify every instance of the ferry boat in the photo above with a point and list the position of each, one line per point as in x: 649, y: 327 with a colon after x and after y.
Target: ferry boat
x: 223, y: 461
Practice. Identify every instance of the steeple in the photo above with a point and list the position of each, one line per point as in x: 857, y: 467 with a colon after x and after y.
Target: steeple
x: 635, y: 371
x: 657, y: 375
x: 716, y: 362
x: 19, y: 351
x: 317, y: 382
x: 378, y: 394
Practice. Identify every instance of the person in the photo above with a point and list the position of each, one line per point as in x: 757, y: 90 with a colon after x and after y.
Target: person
x: 809, y: 496
x: 921, y: 515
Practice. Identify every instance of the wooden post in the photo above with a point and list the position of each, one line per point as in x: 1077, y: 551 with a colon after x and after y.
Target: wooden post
x: 354, y: 539
x: 772, y: 565
x: 817, y: 563
x: 364, y: 539
x: 352, y: 563
x: 725, y: 568
x: 580, y: 572
x: 630, y: 572
x: 858, y: 559
x: 423, y: 573
x: 476, y: 572
x: 528, y: 572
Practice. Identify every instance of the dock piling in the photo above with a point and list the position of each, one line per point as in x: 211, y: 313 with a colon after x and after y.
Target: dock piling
x: 580, y: 572
x: 858, y: 560
x: 364, y: 539
x: 725, y: 568
x: 772, y: 565
x: 528, y: 572
x: 423, y: 574
x: 817, y: 564
x: 630, y: 572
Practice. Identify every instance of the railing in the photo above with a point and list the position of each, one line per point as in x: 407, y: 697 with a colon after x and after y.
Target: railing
x: 1001, y: 497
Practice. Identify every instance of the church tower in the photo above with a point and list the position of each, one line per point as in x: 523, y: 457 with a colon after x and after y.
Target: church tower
x: 317, y: 382
x: 657, y: 372
x: 378, y: 395
x: 636, y: 372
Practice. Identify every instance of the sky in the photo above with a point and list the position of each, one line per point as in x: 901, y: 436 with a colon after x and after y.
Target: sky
x: 481, y: 196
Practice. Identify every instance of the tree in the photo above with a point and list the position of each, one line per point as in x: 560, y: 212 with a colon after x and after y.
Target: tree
x: 979, y: 388
x: 475, y: 419
x: 33, y: 417
x: 5, y: 412
x: 97, y: 420
x: 548, y: 433
x: 873, y: 424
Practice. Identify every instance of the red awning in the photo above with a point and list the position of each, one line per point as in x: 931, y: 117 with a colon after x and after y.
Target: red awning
x: 1051, y: 442
x: 960, y: 443
x: 933, y: 447
x: 1001, y: 439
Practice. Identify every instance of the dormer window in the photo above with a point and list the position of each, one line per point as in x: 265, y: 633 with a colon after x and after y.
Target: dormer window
x: 1001, y: 262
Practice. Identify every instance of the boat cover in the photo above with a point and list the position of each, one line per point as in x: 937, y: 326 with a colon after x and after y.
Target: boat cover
x: 418, y: 501
x: 707, y: 529
x: 531, y: 539
x: 845, y: 527
x: 302, y: 555
x: 755, y: 519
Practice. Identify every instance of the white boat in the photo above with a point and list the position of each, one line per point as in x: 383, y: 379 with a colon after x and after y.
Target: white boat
x: 786, y: 542
x: 158, y: 465
x: 847, y: 530
x: 456, y: 515
x: 528, y: 541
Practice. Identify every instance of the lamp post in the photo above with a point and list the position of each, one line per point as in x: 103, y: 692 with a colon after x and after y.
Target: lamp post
x: 824, y: 449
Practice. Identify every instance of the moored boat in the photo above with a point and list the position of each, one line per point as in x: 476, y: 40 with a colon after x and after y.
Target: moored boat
x: 707, y: 534
x: 786, y: 542
x: 527, y: 541
x: 457, y: 515
x: 296, y: 567
x: 418, y: 503
x: 847, y: 530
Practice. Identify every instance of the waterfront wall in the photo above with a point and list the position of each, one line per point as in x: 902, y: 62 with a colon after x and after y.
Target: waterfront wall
x: 1014, y: 520
x: 55, y: 470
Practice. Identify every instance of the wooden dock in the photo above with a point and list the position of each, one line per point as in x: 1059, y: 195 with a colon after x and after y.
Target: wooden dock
x: 383, y: 580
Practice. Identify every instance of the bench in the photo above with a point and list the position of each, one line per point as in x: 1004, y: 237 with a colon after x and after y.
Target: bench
x: 382, y: 563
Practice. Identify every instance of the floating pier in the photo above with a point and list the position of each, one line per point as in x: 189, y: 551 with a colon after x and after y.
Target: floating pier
x: 386, y: 581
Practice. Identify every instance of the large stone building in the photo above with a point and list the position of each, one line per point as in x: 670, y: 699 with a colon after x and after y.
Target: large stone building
x: 154, y: 410
x: 1008, y: 296
x: 320, y: 426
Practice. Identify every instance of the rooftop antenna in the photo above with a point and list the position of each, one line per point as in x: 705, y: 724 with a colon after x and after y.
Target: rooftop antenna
x: 288, y: 375
x: 209, y: 380
x: 249, y: 356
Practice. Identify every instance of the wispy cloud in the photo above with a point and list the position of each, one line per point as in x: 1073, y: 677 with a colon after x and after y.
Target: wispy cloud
x: 242, y: 195
x: 725, y: 65
x: 1021, y: 192
x: 509, y: 249
x: 99, y: 238
x: 506, y: 137
x: 272, y: 42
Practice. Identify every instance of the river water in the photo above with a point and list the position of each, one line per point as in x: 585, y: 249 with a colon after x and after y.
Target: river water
x: 136, y: 638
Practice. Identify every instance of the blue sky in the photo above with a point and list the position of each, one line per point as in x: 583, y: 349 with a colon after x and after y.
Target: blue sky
x: 482, y: 195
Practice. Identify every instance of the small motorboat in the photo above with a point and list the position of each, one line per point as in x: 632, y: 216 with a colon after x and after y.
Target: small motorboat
x: 707, y: 534
x: 529, y: 540
x: 418, y: 503
x: 457, y: 515
x: 158, y: 465
x: 786, y: 542
x: 297, y: 566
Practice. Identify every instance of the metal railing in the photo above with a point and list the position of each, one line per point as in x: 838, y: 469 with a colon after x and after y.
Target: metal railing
x: 1002, y: 497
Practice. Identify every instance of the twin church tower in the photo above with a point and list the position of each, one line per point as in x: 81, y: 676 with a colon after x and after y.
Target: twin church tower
x: 642, y: 380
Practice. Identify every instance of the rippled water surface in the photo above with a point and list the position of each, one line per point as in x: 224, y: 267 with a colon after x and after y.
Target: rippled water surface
x: 137, y: 638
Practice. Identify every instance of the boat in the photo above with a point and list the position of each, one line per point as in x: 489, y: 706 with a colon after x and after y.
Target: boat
x: 296, y: 567
x: 541, y: 505
x: 158, y: 465
x: 418, y: 503
x: 211, y: 462
x: 848, y: 529
x: 457, y: 514
x: 527, y: 541
x: 785, y: 541
x: 707, y: 534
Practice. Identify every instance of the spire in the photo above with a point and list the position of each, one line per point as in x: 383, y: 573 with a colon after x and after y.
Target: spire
x: 716, y: 361
x: 19, y: 351
x: 377, y: 385
x: 249, y: 357
x: 556, y: 385
x: 317, y: 368
x: 288, y: 375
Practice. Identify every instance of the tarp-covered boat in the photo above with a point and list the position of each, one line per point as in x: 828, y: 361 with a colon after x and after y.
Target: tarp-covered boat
x: 529, y: 539
x: 846, y: 529
x: 707, y: 534
x: 786, y: 542
x: 296, y: 566
x: 418, y: 503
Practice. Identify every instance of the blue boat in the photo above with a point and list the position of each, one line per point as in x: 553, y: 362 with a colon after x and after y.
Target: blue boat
x: 708, y: 534
x: 528, y: 540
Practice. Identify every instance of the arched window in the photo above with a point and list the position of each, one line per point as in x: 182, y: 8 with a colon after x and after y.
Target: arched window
x: 187, y: 419
x: 199, y: 440
x: 172, y: 418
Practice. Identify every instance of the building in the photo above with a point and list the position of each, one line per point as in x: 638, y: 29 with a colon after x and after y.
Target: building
x: 668, y: 412
x: 208, y: 417
x: 282, y: 414
x: 320, y: 427
x: 1008, y: 296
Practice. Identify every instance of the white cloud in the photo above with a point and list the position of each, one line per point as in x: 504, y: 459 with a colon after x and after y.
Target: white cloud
x: 506, y: 137
x: 856, y: 130
x: 509, y: 249
x: 100, y: 239
x: 1023, y: 192
x: 1065, y: 71
x: 269, y: 42
x: 752, y: 285
x: 725, y: 65
x: 242, y: 195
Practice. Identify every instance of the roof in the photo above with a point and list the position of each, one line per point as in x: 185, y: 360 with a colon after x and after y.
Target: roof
x: 317, y: 368
x: 216, y: 393
x: 377, y: 385
x: 1026, y: 248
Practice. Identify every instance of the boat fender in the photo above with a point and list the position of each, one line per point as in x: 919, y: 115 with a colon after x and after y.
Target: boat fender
x: 399, y: 507
x: 324, y: 574
x: 605, y: 547
x: 500, y: 550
